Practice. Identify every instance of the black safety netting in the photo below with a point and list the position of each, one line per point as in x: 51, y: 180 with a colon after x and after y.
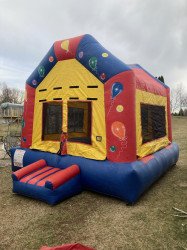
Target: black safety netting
x: 153, y: 121
x: 52, y: 121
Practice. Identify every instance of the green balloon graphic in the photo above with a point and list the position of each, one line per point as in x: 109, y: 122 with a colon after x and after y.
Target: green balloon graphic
x: 93, y: 63
x: 112, y: 148
x: 23, y: 123
x: 41, y: 71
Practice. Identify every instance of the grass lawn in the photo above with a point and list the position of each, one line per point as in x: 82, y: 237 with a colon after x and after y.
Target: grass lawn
x: 100, y: 221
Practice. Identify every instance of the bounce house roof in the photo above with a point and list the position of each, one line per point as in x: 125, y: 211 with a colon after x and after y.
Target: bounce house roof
x: 90, y: 53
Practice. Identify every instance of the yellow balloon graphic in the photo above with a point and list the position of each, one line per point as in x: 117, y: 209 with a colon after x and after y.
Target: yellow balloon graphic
x: 105, y: 54
x: 25, y: 96
x: 119, y: 108
x: 65, y: 45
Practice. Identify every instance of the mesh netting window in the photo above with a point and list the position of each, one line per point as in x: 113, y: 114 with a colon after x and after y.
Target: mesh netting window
x: 52, y: 121
x: 79, y: 122
x: 75, y: 119
x: 153, y: 120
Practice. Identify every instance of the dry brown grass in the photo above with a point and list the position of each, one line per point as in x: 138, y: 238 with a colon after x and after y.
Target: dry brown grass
x: 99, y: 221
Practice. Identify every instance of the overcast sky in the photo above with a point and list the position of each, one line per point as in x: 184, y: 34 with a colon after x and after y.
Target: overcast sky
x: 152, y: 33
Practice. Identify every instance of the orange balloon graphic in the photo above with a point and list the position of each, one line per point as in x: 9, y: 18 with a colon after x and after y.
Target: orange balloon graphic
x: 25, y: 96
x: 118, y: 129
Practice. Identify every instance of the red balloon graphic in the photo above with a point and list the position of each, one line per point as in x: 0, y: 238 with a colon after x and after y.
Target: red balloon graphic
x: 118, y: 129
x: 51, y: 59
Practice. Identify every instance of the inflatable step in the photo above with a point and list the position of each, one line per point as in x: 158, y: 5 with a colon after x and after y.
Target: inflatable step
x: 47, y: 183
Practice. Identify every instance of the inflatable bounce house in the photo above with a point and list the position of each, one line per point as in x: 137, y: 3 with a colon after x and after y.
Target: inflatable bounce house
x: 92, y: 122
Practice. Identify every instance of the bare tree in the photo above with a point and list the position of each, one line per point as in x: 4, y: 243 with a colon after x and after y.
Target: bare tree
x: 185, y: 112
x: 184, y: 101
x: 12, y: 95
x: 178, y: 98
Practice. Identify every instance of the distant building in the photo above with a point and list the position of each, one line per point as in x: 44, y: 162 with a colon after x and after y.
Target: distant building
x: 11, y: 112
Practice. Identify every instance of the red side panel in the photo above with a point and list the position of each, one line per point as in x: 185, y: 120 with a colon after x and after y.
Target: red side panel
x: 30, y: 168
x: 169, y: 115
x: 120, y: 117
x: 66, y: 49
x: 147, y: 83
x: 28, y: 116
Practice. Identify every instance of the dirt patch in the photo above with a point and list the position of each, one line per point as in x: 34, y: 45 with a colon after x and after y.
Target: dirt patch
x: 99, y: 221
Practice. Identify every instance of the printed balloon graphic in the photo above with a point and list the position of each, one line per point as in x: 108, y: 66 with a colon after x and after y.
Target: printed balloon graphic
x: 93, y: 63
x: 51, y: 59
x: 41, y: 71
x: 119, y: 108
x: 104, y: 54
x: 112, y: 149
x: 102, y: 76
x: 117, y: 88
x: 34, y: 82
x: 81, y: 53
x: 25, y: 96
x: 23, y: 123
x: 118, y: 129
x: 24, y: 139
x: 65, y: 45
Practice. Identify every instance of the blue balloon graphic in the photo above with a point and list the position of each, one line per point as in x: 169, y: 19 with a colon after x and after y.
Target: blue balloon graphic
x: 117, y: 88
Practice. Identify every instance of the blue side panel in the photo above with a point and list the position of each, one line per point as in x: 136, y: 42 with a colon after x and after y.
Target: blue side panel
x: 41, y: 71
x: 137, y: 66
x: 99, y: 61
x: 126, y: 181
x: 52, y: 197
x: 150, y: 172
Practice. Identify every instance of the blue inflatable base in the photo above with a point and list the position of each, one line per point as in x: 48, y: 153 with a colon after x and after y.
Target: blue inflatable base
x: 126, y: 181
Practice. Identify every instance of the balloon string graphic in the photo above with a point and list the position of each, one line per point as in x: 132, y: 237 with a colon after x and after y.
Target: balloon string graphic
x: 123, y: 146
x: 95, y: 69
x: 111, y: 105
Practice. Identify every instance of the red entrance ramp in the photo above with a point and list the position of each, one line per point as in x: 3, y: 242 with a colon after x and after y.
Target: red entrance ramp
x: 49, y: 184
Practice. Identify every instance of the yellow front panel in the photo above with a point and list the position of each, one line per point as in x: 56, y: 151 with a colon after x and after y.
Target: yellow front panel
x: 65, y: 74
x: 153, y: 146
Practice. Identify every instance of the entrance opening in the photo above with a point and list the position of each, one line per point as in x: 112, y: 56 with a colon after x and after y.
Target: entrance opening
x: 52, y: 121
x: 79, y: 121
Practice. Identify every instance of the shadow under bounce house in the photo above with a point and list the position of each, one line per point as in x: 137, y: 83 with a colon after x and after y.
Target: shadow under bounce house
x: 92, y: 122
